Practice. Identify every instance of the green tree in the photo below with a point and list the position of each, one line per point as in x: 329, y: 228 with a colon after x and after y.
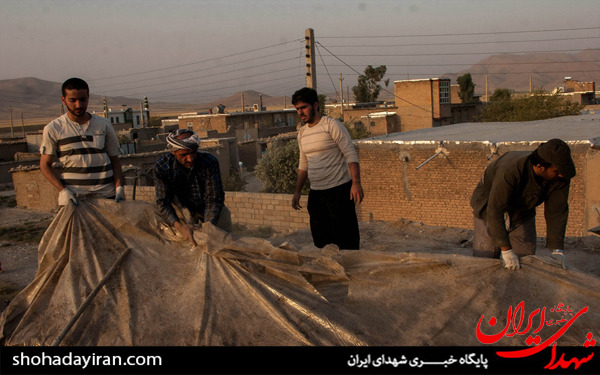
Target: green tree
x: 356, y: 128
x: 500, y: 94
x: 155, y: 122
x: 235, y: 181
x: 368, y: 87
x: 467, y: 88
x: 277, y: 169
x: 536, y: 106
x: 322, y: 99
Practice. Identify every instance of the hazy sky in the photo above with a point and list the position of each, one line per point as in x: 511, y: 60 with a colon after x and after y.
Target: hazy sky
x: 171, y: 50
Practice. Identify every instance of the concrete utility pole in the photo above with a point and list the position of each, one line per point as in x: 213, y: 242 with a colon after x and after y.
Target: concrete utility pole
x: 243, y: 102
x: 341, y: 95
x: 486, y: 89
x: 22, y: 125
x: 311, y: 68
x: 530, y: 85
x: 12, y: 133
x: 105, y: 108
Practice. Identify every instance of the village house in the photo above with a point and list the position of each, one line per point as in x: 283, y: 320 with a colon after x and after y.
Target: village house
x: 244, y: 126
x: 418, y: 104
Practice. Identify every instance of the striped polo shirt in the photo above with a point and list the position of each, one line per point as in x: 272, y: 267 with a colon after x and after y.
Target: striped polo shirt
x: 83, y: 150
x: 325, y: 151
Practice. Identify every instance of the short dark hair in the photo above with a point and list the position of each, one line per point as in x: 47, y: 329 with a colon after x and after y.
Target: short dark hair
x: 536, y: 159
x: 74, y: 84
x: 306, y: 95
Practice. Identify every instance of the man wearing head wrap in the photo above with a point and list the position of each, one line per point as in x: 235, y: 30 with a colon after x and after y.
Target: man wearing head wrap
x: 189, y: 179
x: 505, y: 200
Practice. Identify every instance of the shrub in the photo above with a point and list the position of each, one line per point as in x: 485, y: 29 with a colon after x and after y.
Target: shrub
x: 278, y: 168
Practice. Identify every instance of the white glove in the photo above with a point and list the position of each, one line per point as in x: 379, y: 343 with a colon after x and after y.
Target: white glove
x: 65, y: 196
x: 559, y: 256
x: 120, y: 195
x: 510, y: 259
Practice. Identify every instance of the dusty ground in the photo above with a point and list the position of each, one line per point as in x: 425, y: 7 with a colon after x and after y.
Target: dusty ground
x: 21, y: 230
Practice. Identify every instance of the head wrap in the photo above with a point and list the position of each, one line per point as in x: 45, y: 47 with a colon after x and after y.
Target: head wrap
x: 190, y: 143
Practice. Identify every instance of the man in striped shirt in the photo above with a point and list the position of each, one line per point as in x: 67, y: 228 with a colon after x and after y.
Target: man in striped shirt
x: 86, y: 146
x: 329, y: 160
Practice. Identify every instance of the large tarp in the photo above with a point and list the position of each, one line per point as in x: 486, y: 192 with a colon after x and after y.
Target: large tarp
x: 246, y: 291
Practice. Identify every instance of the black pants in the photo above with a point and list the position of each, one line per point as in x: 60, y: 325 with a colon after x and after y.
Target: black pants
x: 333, y: 217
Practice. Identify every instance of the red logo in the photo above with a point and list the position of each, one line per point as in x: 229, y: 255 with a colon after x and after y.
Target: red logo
x: 518, y: 324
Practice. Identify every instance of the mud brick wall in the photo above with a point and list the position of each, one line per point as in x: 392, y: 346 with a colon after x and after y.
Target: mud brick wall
x: 438, y: 193
x: 32, y: 189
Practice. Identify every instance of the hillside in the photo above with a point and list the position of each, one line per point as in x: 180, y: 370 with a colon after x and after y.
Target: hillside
x: 546, y: 70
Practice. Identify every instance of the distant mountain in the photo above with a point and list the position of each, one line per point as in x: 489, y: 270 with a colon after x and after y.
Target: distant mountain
x: 39, y: 100
x: 546, y: 70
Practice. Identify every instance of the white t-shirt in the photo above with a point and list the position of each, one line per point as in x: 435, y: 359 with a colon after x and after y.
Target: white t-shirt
x: 325, y: 151
x: 84, y: 152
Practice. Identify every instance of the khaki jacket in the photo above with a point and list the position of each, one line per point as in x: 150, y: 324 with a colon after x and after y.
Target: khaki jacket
x: 510, y: 185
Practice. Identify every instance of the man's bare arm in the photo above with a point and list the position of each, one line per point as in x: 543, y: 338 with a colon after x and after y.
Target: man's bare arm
x: 356, y: 192
x: 117, y: 170
x: 48, y: 172
x: 302, y: 177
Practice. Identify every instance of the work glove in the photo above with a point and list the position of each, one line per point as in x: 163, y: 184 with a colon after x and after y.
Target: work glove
x: 120, y: 195
x: 510, y: 260
x: 559, y: 256
x: 65, y: 196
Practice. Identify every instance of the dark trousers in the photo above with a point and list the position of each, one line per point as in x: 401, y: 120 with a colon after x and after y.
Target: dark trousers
x: 333, y: 217
x: 522, y: 237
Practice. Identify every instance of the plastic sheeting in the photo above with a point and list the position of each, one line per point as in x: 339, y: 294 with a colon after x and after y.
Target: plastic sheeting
x: 246, y: 291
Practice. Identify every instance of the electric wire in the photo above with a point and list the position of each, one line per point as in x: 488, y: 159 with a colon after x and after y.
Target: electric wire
x: 277, y: 62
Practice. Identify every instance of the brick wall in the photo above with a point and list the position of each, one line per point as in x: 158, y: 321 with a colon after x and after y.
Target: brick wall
x: 250, y: 209
x: 438, y: 193
x: 263, y: 209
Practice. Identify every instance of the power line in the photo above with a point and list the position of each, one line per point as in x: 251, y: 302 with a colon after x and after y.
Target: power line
x: 456, y: 34
x: 500, y: 73
x: 196, y: 62
x: 394, y: 94
x: 458, y: 43
x: 462, y: 53
x: 325, y: 66
x: 213, y: 75
x: 278, y: 62
x: 214, y: 67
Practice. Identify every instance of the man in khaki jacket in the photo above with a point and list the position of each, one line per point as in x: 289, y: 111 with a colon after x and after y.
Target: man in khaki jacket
x: 505, y: 199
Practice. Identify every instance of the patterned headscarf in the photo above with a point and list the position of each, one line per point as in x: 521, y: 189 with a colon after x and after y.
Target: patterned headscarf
x: 190, y: 143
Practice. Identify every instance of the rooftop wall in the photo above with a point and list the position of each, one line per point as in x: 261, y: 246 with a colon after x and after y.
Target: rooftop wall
x: 439, y: 191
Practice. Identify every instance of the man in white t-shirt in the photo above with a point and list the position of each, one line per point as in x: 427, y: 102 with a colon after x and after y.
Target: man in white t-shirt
x: 329, y: 160
x: 87, y: 147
